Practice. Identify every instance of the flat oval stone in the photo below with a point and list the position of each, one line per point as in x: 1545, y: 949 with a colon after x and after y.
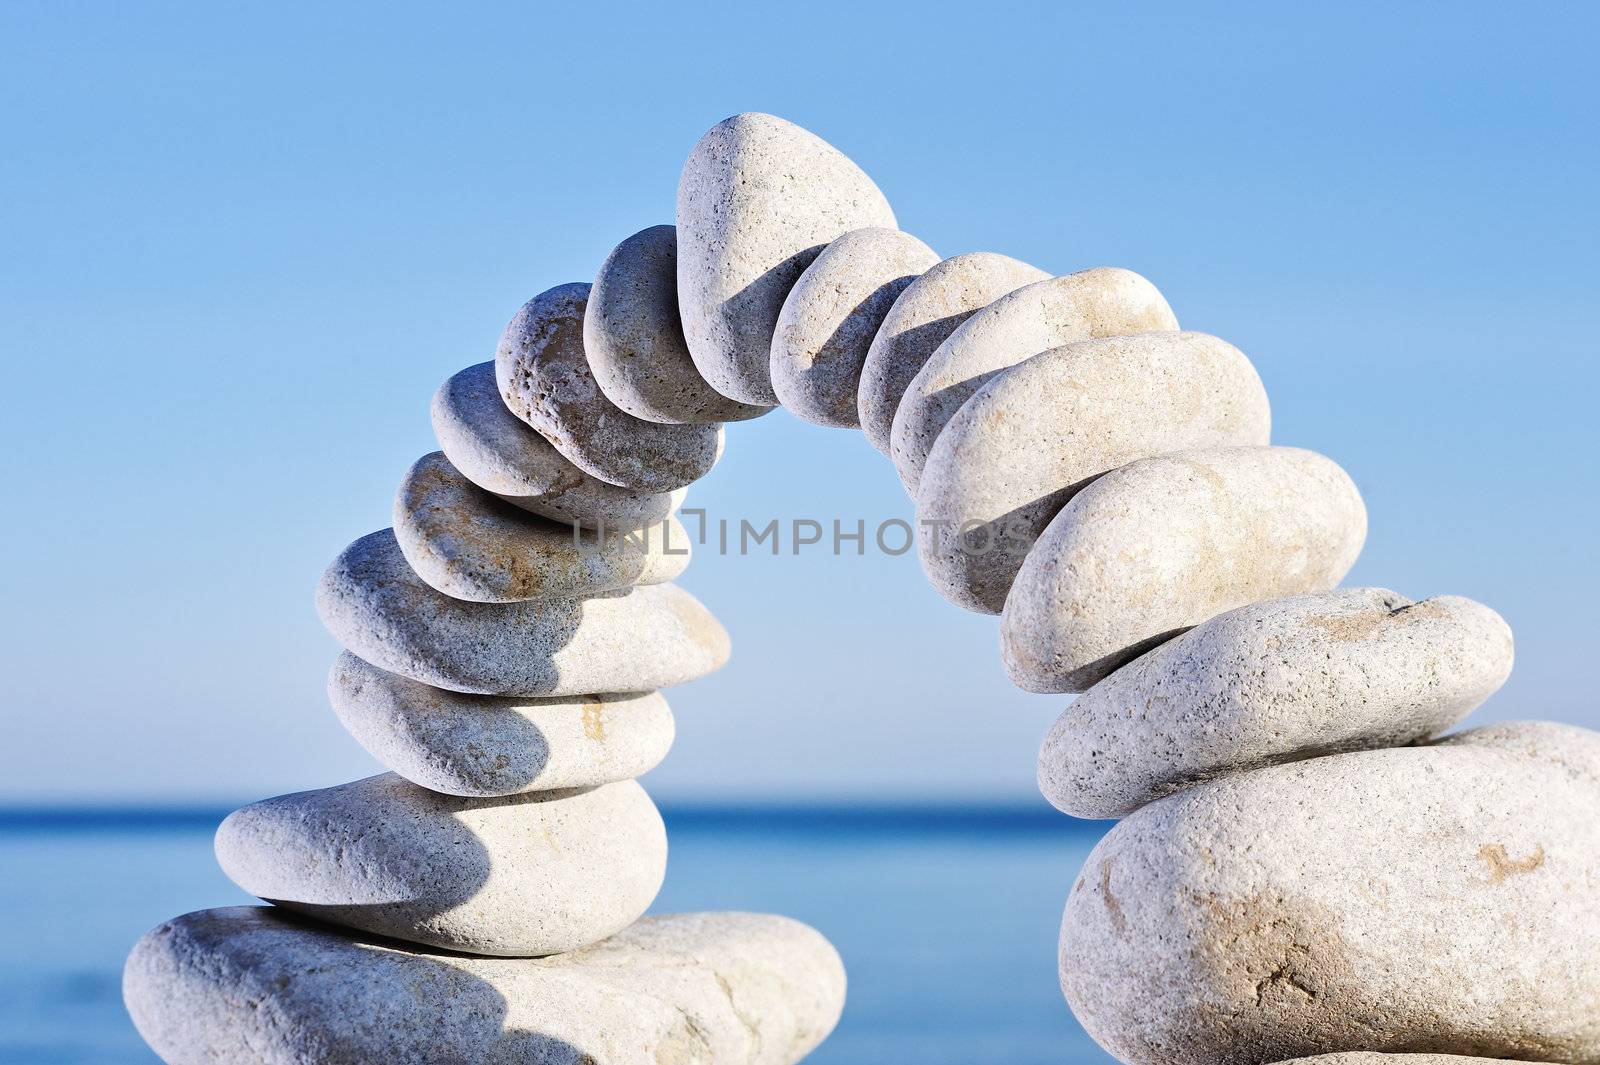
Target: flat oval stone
x: 482, y: 746
x: 1032, y: 436
x: 256, y: 984
x: 496, y: 451
x: 1162, y: 544
x: 1102, y: 302
x: 545, y: 380
x: 471, y: 545
x: 1273, y: 682
x: 1367, y: 1057
x: 926, y: 313
x: 759, y: 198
x: 1438, y: 897
x: 634, y: 338
x: 515, y: 876
x: 647, y: 638
x: 831, y: 315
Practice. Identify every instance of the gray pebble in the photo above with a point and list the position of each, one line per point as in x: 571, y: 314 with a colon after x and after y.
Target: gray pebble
x: 1034, y: 435
x: 496, y: 451
x: 258, y: 986
x: 1103, y: 302
x: 759, y: 198
x: 545, y: 380
x: 1437, y: 897
x: 1273, y: 682
x: 926, y: 313
x: 1162, y: 544
x: 647, y: 638
x: 471, y: 545
x: 515, y: 876
x: 831, y: 315
x: 634, y: 338
x: 486, y: 745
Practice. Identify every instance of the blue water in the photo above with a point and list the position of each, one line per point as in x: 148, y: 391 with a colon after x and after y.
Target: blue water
x: 947, y: 923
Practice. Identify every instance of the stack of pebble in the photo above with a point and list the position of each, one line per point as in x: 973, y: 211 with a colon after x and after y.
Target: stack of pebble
x: 1304, y: 868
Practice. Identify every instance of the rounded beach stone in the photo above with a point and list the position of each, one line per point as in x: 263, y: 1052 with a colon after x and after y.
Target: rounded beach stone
x: 1368, y: 1057
x: 250, y: 985
x: 1273, y: 682
x: 545, y: 380
x: 634, y: 338
x: 1438, y: 897
x: 514, y: 876
x: 831, y: 315
x: 495, y: 450
x: 927, y: 312
x: 1033, y: 436
x: 759, y: 198
x: 1103, y: 302
x: 471, y: 545
x: 1162, y: 544
x: 485, y: 745
x: 647, y: 638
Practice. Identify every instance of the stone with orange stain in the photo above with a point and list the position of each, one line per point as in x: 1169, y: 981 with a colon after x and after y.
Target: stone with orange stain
x: 1235, y: 921
x: 1272, y: 682
x: 1162, y: 544
x: 1036, y: 434
x: 471, y: 545
x: 545, y: 380
x: 486, y: 745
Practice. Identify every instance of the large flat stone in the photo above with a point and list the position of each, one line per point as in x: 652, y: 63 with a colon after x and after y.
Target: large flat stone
x: 1437, y: 897
x: 255, y: 986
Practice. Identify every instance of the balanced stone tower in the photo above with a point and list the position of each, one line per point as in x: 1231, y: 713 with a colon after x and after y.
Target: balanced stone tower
x: 1304, y: 869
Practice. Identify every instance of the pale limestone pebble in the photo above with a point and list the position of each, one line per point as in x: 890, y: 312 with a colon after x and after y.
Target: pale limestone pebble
x: 651, y: 637
x: 1439, y: 897
x: 926, y: 313
x: 634, y: 338
x: 1274, y: 682
x: 486, y: 745
x: 513, y: 876
x: 498, y: 452
x: 758, y: 199
x: 1161, y: 544
x: 471, y: 545
x: 1103, y: 302
x: 545, y: 380
x: 258, y: 986
x: 831, y: 315
x: 1034, y: 435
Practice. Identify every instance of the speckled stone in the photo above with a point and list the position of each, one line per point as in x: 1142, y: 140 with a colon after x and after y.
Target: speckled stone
x: 1439, y: 897
x: 517, y: 876
x: 496, y: 451
x: 651, y: 637
x: 257, y: 986
x: 1046, y: 314
x: 831, y: 315
x: 634, y: 338
x: 545, y: 380
x: 471, y: 545
x: 1162, y: 544
x: 926, y: 313
x: 759, y: 198
x: 480, y: 746
x: 1368, y: 1057
x: 1034, y: 435
x: 1274, y: 682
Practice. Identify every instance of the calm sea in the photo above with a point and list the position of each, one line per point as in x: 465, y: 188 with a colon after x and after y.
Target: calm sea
x: 946, y: 920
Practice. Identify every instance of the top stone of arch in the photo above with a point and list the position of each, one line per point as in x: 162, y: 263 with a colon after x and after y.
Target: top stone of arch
x: 758, y: 201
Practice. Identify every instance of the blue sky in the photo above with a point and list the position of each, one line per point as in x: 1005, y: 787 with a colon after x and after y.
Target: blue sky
x: 242, y: 246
